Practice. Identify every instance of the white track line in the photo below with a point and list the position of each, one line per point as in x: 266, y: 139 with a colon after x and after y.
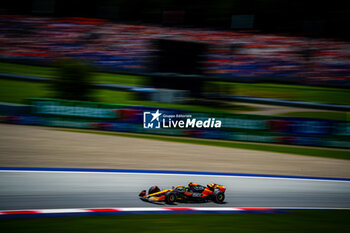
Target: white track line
x: 170, y: 174
x: 165, y: 210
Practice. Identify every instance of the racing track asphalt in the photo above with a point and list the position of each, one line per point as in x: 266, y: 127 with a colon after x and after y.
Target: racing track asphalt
x: 44, y: 190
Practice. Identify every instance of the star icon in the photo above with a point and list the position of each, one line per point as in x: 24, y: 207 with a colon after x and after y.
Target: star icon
x: 156, y: 115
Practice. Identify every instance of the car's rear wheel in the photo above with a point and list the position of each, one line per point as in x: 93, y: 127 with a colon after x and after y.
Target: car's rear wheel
x: 218, y: 196
x: 153, y: 189
x: 170, y: 198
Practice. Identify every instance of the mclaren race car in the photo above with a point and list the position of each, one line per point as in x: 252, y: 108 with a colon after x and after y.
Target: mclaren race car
x: 191, y: 193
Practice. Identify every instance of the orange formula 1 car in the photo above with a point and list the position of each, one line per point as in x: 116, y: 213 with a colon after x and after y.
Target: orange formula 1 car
x: 191, y: 193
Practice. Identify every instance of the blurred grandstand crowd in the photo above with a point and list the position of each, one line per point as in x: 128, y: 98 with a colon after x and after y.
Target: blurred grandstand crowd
x: 123, y: 47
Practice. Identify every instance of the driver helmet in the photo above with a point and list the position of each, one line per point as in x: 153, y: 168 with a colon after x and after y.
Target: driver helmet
x: 180, y: 188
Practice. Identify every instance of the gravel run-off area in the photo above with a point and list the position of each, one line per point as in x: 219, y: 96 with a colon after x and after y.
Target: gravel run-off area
x: 32, y: 146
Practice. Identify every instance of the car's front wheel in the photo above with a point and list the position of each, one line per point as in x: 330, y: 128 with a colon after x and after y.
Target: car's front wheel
x: 170, y: 198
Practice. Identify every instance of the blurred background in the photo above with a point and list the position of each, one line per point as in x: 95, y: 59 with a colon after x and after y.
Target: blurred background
x: 272, y: 71
x: 275, y: 72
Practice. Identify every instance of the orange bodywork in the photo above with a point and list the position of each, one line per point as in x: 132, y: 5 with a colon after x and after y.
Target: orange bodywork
x: 154, y: 198
x: 158, y: 196
x: 206, y: 192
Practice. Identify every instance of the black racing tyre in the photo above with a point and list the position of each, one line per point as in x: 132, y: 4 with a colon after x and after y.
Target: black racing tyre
x: 153, y: 189
x: 218, y: 196
x: 170, y: 198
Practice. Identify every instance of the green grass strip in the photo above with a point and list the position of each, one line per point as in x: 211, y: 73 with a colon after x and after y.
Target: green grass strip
x: 267, y: 90
x: 299, y: 221
x: 49, y: 72
x: 20, y: 91
x: 297, y: 150
x: 340, y: 116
